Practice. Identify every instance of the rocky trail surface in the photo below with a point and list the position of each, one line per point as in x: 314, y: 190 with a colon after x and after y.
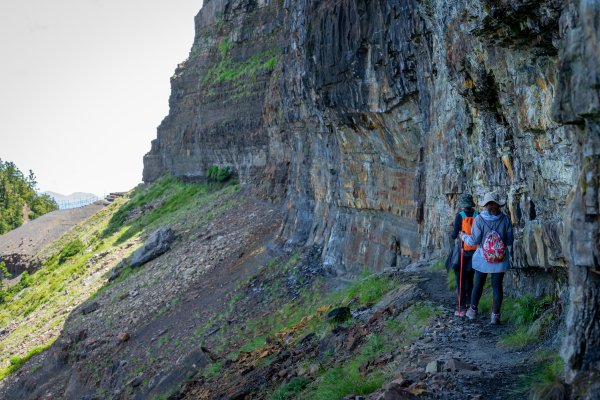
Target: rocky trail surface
x: 451, y: 358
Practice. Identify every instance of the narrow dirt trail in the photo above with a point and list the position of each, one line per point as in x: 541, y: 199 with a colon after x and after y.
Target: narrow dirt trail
x: 498, y: 368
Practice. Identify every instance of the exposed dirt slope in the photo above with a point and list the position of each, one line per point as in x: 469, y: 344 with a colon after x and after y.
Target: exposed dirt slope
x: 35, y: 235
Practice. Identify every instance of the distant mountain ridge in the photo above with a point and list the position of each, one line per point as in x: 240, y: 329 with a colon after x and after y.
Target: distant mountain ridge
x: 70, y: 197
x: 74, y: 200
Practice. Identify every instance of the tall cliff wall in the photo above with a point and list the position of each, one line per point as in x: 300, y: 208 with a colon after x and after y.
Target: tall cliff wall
x: 369, y: 118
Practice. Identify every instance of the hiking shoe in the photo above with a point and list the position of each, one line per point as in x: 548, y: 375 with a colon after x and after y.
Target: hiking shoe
x: 460, y: 313
x: 471, y: 313
x: 495, y: 319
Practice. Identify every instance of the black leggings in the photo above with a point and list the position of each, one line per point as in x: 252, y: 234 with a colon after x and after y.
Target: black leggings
x: 466, y: 288
x: 497, y: 279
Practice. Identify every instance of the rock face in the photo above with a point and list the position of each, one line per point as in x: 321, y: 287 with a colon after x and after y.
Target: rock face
x: 218, y: 94
x: 369, y: 118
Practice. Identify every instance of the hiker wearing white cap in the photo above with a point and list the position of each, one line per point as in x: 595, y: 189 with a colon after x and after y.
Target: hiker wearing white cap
x: 492, y: 232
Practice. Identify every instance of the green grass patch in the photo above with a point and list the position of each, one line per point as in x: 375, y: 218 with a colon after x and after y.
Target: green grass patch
x: 230, y: 70
x: 340, y: 381
x: 212, y: 370
x: 451, y: 281
x: 410, y: 324
x: 524, y: 310
x: 72, y: 249
x: 17, y: 362
x: 546, y: 380
x: 365, y: 291
x: 290, y: 389
x: 161, y: 203
x: 255, y: 343
x: 527, y: 315
x: 438, y: 266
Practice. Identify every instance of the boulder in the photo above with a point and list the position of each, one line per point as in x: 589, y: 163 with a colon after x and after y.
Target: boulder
x: 159, y: 242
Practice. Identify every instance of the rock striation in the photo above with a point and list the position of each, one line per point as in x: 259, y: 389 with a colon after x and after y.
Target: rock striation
x: 367, y: 119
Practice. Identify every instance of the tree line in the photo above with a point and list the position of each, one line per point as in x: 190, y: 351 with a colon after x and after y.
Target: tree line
x: 19, y: 197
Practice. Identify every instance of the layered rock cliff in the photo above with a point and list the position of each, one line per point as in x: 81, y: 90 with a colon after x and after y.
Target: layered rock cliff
x: 369, y: 118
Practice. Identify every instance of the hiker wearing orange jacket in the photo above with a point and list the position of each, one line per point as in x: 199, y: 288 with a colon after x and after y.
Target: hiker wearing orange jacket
x: 462, y: 255
x: 492, y: 231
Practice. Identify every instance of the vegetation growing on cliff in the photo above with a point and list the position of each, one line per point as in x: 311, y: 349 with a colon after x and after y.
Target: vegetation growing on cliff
x: 229, y: 69
x: 18, y: 197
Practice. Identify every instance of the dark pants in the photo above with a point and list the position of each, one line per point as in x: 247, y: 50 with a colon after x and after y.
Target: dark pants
x: 497, y: 279
x: 465, y: 290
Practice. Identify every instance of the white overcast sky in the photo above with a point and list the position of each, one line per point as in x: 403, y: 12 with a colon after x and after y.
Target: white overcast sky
x: 85, y: 83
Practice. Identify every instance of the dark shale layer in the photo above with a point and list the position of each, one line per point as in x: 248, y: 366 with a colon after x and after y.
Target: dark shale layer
x: 369, y: 118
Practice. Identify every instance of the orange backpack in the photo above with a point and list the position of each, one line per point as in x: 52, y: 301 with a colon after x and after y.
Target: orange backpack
x: 467, y: 225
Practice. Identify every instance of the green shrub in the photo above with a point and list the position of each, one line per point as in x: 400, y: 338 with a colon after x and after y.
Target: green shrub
x: 17, y: 191
x: 71, y: 249
x: 219, y: 174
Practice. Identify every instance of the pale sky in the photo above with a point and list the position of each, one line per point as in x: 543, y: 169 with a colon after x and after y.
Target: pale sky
x: 85, y: 83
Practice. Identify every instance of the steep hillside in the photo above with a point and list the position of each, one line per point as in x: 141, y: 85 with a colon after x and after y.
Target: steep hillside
x: 216, y: 232
x: 212, y: 307
x: 378, y: 114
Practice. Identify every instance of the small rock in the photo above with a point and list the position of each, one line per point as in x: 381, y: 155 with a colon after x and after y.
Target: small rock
x: 470, y: 374
x: 434, y: 367
x: 454, y: 364
x: 282, y: 373
x: 246, y: 370
x: 123, y: 337
x: 90, y: 308
x: 137, y: 381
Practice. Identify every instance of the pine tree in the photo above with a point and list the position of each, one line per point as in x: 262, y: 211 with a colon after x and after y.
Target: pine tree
x: 16, y: 190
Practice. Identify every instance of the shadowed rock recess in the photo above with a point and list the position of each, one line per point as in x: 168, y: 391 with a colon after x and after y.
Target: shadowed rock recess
x: 369, y: 118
